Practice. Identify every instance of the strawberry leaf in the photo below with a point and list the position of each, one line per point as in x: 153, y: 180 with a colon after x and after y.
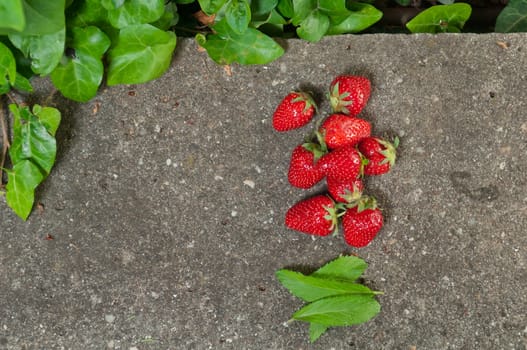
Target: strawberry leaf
x: 345, y: 268
x: 340, y: 310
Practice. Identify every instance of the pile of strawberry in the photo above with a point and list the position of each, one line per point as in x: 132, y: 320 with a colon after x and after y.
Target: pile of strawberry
x: 341, y: 150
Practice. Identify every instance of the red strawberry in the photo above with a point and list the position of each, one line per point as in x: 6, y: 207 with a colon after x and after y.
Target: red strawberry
x: 304, y: 170
x: 341, y: 130
x: 315, y: 216
x: 295, y: 111
x: 362, y: 223
x: 380, y: 154
x: 342, y: 164
x: 345, y: 192
x: 349, y: 94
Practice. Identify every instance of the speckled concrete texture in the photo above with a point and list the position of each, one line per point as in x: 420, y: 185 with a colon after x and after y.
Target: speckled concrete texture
x: 166, y: 205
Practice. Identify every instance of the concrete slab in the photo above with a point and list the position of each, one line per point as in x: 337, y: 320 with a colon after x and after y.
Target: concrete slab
x: 167, y: 201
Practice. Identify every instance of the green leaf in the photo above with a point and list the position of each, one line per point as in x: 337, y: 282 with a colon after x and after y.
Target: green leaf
x: 43, y: 16
x: 513, y: 18
x: 211, y: 6
x: 441, y: 18
x: 7, y: 66
x: 403, y: 2
x: 313, y: 27
x: 251, y: 47
x: 262, y: 7
x: 169, y: 18
x: 44, y: 50
x: 360, y: 17
x: 302, y: 9
x: 21, y: 183
x: 12, y: 16
x: 112, y: 4
x: 316, y: 330
x: 142, y: 53
x: 341, y: 310
x: 22, y: 83
x: 333, y: 7
x: 238, y: 15
x: 5, y: 88
x: 32, y: 141
x: 311, y: 288
x: 134, y: 12
x: 285, y: 7
x: 78, y: 77
x: 49, y: 117
x: 89, y: 12
x: 347, y: 268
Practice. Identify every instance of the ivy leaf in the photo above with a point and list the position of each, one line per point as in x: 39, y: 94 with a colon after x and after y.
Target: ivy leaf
x: 238, y: 15
x: 347, y: 268
x: 361, y: 16
x: 286, y: 8
x: 251, y: 47
x: 20, y: 189
x: 32, y: 141
x: 513, y: 18
x: 211, y: 6
x: 12, y: 16
x: 142, y: 53
x: 302, y: 9
x: 49, y: 117
x: 262, y: 7
x: 7, y: 66
x: 112, y: 4
x: 78, y: 77
x: 333, y: 7
x: 313, y: 27
x: 89, y: 12
x: 22, y: 83
x: 441, y: 18
x: 169, y: 18
x: 341, y: 310
x: 44, y: 50
x: 43, y: 16
x: 311, y: 288
x: 134, y: 12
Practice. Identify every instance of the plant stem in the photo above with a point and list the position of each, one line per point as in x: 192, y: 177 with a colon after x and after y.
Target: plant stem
x: 5, y: 139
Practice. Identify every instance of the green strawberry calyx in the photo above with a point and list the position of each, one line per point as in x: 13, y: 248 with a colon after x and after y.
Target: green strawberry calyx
x: 307, y: 98
x: 352, y: 197
x: 316, y: 145
x: 363, y: 203
x: 339, y: 102
x: 334, y: 212
x: 389, y: 151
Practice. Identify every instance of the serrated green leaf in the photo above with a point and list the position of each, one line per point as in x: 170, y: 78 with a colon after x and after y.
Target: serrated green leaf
x: 441, y: 19
x: 44, y: 51
x: 22, y: 83
x: 341, y: 310
x: 238, y: 15
x: 211, y: 6
x: 251, y: 47
x: 142, y: 53
x: 33, y: 142
x: 43, y: 16
x: 313, y: 27
x: 78, y: 78
x: 134, y: 12
x: 346, y: 268
x: 20, y: 189
x: 310, y: 288
x: 361, y: 16
x: 316, y: 330
x: 12, y: 16
x: 7, y: 66
x: 513, y: 18
x: 49, y: 117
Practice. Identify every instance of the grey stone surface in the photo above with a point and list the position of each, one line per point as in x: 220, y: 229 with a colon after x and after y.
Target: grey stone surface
x: 166, y: 206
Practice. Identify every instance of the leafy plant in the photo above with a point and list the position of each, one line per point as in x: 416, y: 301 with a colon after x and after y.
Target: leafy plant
x: 513, y: 18
x: 441, y: 19
x: 334, y: 297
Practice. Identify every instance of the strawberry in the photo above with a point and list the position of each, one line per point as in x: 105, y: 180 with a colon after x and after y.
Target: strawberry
x: 361, y: 223
x: 345, y: 192
x: 340, y: 130
x: 295, y: 111
x: 380, y: 154
x: 342, y: 164
x: 304, y: 170
x: 349, y: 94
x: 315, y: 215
